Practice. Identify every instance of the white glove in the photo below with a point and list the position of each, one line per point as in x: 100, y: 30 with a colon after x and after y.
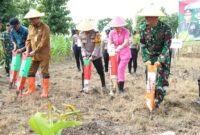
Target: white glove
x: 118, y: 48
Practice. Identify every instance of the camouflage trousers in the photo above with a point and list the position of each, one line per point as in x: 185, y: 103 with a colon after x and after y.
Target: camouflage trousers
x: 162, y: 77
x: 7, y: 62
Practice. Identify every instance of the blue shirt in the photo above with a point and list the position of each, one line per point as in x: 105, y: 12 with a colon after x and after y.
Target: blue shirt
x: 20, y: 36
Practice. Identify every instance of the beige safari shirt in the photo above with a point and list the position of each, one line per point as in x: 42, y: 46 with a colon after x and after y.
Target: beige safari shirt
x: 39, y: 41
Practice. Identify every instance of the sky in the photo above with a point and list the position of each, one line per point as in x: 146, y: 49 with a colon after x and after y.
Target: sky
x: 100, y: 9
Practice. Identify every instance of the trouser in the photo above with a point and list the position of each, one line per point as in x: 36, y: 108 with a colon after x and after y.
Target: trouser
x: 134, y: 53
x: 106, y: 59
x: 78, y: 56
x: 7, y: 60
x: 122, y: 63
x: 99, y: 67
x: 162, y: 76
x: 44, y: 65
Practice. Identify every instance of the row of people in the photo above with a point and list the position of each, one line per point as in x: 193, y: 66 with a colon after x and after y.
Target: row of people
x: 155, y: 40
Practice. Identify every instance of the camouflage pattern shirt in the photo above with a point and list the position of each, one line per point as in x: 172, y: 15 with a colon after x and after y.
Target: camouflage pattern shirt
x: 155, y: 42
x: 6, y: 37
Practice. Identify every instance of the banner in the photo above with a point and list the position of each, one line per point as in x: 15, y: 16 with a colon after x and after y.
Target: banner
x: 189, y: 20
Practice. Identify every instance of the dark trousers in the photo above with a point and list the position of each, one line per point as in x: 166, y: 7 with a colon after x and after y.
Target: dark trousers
x: 106, y: 59
x: 78, y: 56
x: 134, y: 53
x: 99, y: 67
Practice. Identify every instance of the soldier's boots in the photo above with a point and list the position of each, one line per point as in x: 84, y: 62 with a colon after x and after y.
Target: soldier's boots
x: 159, y: 96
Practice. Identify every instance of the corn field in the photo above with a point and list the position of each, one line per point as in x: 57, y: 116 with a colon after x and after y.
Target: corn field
x: 60, y: 46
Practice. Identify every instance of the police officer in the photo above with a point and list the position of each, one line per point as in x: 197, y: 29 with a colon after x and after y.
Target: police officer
x: 91, y: 49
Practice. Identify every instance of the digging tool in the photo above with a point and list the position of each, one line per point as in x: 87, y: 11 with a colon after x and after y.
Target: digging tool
x: 151, y: 80
x: 113, y: 69
x: 23, y: 73
x: 87, y: 74
x: 15, y: 64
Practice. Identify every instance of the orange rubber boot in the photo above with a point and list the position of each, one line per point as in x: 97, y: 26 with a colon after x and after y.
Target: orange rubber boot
x: 31, y: 86
x: 45, y: 85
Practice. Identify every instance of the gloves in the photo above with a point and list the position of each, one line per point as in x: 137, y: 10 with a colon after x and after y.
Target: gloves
x: 119, y: 48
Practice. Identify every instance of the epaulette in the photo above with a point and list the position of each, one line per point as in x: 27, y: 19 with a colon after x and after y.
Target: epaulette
x: 97, y: 38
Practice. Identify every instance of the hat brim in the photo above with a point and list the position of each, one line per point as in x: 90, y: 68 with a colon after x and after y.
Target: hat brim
x: 34, y: 16
x: 117, y: 25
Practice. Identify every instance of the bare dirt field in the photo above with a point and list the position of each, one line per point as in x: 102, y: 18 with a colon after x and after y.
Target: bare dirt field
x: 103, y: 115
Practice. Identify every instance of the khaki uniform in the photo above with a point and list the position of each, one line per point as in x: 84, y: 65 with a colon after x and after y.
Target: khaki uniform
x: 39, y: 41
x: 91, y: 44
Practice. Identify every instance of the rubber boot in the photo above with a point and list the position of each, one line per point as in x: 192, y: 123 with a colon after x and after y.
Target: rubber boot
x: 45, y: 85
x: 31, y: 86
x: 121, y: 87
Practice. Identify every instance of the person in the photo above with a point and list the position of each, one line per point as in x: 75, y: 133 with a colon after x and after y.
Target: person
x: 19, y: 35
x: 38, y: 47
x: 134, y: 46
x: 91, y: 41
x: 76, y: 45
x: 119, y: 36
x: 198, y: 99
x: 188, y: 25
x: 7, y: 47
x: 155, y: 39
x: 105, y: 51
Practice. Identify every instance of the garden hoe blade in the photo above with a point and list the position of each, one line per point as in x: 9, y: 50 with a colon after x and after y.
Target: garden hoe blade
x: 23, y: 73
x: 113, y: 69
x: 151, y: 80
x: 15, y: 64
x: 87, y: 74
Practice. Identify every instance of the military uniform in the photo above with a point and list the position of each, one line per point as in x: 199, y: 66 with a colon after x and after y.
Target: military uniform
x: 155, y: 45
x: 91, y: 48
x: 39, y: 41
x: 6, y: 38
x: 191, y: 28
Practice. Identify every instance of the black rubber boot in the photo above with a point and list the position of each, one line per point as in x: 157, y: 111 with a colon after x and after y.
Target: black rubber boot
x: 159, y: 96
x: 121, y: 87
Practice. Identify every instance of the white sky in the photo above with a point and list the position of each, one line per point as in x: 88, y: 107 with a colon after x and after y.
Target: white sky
x: 100, y: 9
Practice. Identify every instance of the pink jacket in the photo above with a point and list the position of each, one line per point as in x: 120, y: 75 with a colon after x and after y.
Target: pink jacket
x: 118, y: 39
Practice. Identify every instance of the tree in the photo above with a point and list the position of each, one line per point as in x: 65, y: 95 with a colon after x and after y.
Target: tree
x: 56, y: 15
x: 129, y: 26
x: 7, y: 10
x: 102, y: 23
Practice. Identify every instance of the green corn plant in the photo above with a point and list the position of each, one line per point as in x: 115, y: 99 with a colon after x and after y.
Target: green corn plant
x: 55, y: 120
x: 60, y: 46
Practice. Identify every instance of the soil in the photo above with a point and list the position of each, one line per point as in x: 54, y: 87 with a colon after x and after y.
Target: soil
x: 103, y: 115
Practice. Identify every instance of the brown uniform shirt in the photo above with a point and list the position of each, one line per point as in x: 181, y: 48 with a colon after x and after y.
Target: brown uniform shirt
x: 39, y: 41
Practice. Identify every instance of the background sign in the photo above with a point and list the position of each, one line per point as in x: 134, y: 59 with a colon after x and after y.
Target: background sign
x: 189, y: 20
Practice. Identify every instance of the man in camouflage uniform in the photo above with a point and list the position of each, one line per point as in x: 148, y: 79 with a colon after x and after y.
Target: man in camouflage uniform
x: 7, y: 47
x: 91, y: 41
x: 155, y: 44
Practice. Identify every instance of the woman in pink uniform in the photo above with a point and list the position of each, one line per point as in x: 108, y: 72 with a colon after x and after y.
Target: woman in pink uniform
x: 119, y: 36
